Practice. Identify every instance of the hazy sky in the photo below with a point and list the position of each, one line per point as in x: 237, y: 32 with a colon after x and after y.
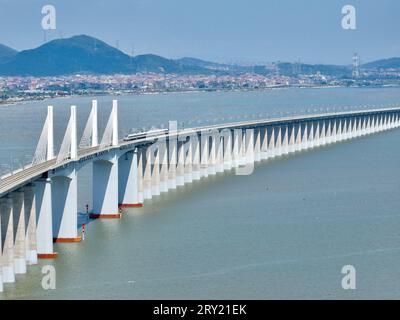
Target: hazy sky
x: 222, y: 30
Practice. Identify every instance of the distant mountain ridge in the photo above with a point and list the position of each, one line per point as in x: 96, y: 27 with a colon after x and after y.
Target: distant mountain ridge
x: 87, y: 55
x: 84, y: 54
x: 6, y: 53
x: 390, y: 63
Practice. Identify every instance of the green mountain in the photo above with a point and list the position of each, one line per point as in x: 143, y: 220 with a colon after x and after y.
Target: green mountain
x: 216, y: 67
x: 391, y: 63
x: 83, y: 54
x: 6, y: 53
x: 87, y: 55
x: 293, y: 69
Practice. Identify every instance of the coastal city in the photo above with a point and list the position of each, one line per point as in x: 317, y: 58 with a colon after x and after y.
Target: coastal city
x: 20, y: 88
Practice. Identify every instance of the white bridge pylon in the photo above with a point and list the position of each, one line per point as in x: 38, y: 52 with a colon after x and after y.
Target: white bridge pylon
x: 90, y: 134
x: 69, y: 149
x: 69, y: 146
x: 45, y: 147
x: 110, y: 136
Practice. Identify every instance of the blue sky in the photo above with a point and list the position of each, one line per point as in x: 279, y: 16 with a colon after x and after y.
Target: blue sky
x: 221, y: 30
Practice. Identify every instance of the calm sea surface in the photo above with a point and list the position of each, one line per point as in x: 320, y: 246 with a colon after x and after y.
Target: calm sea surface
x: 285, y: 231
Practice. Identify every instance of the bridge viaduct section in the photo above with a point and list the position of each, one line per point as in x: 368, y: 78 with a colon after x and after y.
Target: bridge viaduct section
x: 38, y: 205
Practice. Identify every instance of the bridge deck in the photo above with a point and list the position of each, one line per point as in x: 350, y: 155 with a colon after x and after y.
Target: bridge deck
x: 13, y: 181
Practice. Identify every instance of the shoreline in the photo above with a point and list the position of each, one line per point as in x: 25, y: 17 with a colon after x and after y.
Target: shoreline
x: 129, y: 93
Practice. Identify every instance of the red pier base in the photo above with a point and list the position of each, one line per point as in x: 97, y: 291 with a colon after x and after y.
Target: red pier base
x: 67, y: 240
x: 131, y: 205
x: 46, y: 256
x: 105, y: 216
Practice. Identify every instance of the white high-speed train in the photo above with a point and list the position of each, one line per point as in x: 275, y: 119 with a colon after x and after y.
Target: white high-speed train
x: 145, y: 134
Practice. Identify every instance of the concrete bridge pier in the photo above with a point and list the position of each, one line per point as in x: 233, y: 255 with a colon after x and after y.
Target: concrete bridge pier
x: 297, y: 137
x: 292, y: 138
x: 140, y: 164
x: 361, y: 127
x: 237, y: 137
x: 321, y: 133
x: 163, y: 165
x: 180, y: 167
x: 105, y: 188
x: 393, y: 121
x: 264, y: 152
x: 196, y: 175
x: 285, y: 140
x: 298, y: 145
x: 370, y: 125
x: 317, y: 132
x: 380, y: 123
x: 364, y: 126
x: 64, y: 190
x: 271, y: 145
x: 30, y: 215
x: 219, y: 154
x: 345, y: 129
x: 373, y: 124
x: 249, y: 146
x: 334, y: 131
x: 227, y: 146
x: 242, y: 148
x: 147, y: 173
x: 355, y: 128
x: 128, y: 188
x: 155, y: 174
x: 204, y: 155
x: 212, y: 136
x: 19, y: 232
x: 172, y: 162
x: 351, y: 128
x: 257, y: 145
x: 7, y: 236
x: 358, y: 127
x: 338, y: 130
x: 278, y: 143
x: 390, y: 126
x: 311, y: 136
x: 328, y: 137
x: 376, y: 123
x: 384, y: 124
x: 44, y: 216
x: 188, y: 155
x: 304, y: 136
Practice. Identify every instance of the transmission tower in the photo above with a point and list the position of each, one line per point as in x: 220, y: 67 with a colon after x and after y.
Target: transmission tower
x: 356, y: 66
